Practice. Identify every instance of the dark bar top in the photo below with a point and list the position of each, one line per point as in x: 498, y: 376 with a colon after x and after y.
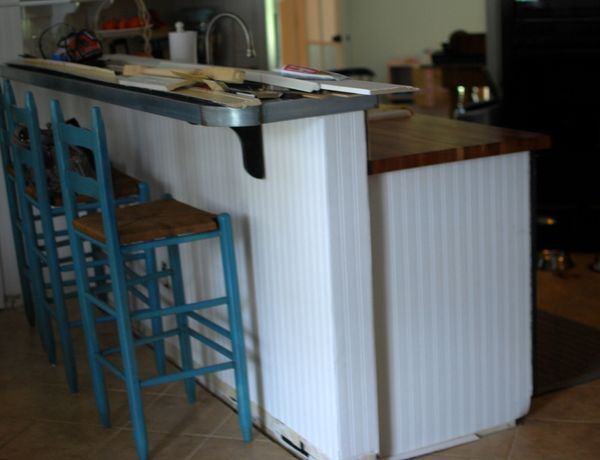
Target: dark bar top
x: 185, y: 108
x: 424, y: 140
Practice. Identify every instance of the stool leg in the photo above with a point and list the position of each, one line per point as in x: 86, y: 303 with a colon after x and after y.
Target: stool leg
x: 236, y: 324
x: 99, y: 273
x: 182, y: 321
x: 19, y: 249
x: 24, y: 277
x: 60, y: 309
x: 154, y: 296
x: 89, y: 331
x: 134, y: 393
x: 43, y: 319
x: 36, y: 275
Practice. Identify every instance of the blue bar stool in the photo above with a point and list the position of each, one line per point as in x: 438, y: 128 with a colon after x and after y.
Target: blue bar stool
x: 40, y: 210
x: 15, y: 218
x: 164, y: 223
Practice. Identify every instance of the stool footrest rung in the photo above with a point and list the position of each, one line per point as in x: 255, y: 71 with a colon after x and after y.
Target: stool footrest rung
x: 100, y: 304
x: 210, y: 324
x: 149, y: 314
x: 211, y: 343
x: 97, y: 320
x: 110, y: 366
x: 143, y: 341
x: 186, y: 374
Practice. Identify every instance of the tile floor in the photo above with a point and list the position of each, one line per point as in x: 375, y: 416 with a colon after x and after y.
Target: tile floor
x: 39, y: 419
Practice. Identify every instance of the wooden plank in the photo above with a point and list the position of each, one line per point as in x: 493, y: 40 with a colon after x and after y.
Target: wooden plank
x: 226, y: 74
x: 71, y: 68
x: 229, y: 100
x: 365, y: 87
x: 273, y: 78
x: 155, y: 83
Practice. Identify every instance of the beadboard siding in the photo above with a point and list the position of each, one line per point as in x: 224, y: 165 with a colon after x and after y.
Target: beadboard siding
x: 352, y: 288
x: 451, y: 257
x: 301, y: 235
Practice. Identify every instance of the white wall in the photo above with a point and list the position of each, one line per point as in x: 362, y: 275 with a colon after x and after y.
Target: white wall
x: 10, y: 46
x: 382, y: 30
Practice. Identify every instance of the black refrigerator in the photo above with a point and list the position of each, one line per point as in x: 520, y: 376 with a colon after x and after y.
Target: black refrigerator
x: 548, y: 69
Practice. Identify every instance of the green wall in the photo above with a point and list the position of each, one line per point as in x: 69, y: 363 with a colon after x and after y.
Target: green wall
x: 383, y: 30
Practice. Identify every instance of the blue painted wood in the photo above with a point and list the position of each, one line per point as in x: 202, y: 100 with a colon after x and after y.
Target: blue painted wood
x: 119, y: 282
x: 38, y: 224
x: 15, y: 220
x: 22, y: 162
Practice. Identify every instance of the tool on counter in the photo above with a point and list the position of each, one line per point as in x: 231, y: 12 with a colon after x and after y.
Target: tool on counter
x: 226, y: 74
x: 80, y: 46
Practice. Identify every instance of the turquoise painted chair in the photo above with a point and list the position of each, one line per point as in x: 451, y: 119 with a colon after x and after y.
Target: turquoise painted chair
x: 165, y: 223
x: 15, y: 217
x: 47, y: 245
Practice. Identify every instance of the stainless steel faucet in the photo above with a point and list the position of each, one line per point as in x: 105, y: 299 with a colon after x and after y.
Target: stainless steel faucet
x: 250, y: 50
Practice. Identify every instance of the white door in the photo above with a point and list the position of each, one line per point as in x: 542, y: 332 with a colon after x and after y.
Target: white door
x: 324, y: 32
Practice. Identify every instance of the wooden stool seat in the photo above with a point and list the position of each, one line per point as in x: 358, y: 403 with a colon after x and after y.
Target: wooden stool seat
x: 123, y: 186
x: 150, y: 221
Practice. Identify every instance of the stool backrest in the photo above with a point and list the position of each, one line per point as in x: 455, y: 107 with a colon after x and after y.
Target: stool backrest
x: 3, y: 136
x: 25, y: 159
x: 73, y: 183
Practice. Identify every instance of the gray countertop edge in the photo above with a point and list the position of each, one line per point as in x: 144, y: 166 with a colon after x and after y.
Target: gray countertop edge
x: 185, y: 108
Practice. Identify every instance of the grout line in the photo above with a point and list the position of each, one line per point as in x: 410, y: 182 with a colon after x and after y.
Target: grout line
x: 512, y: 444
x: 210, y: 436
x: 576, y: 422
x: 16, y: 435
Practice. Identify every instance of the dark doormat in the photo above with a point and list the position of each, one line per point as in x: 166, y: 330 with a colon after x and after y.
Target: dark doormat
x: 566, y: 353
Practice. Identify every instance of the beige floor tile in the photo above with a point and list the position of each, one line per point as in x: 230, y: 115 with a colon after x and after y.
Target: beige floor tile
x: 580, y: 403
x: 574, y: 295
x: 230, y: 429
x: 30, y: 367
x: 556, y: 441
x: 228, y: 449
x: 11, y: 427
x: 35, y: 401
x: 173, y: 414
x: 162, y: 446
x: 494, y: 446
x: 17, y: 336
x: 55, y: 441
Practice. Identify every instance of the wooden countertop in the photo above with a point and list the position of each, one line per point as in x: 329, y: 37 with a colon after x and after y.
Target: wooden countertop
x: 423, y: 140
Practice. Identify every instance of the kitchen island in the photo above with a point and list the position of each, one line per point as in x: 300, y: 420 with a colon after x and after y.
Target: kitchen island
x: 452, y: 271
x: 385, y: 313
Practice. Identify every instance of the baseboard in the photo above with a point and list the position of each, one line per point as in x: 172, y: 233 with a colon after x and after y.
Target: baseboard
x: 261, y: 419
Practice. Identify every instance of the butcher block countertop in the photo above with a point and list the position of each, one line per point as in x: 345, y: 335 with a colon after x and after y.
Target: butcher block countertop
x: 424, y: 140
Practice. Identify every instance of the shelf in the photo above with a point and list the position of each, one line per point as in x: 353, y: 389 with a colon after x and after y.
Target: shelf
x: 121, y: 33
x: 30, y: 3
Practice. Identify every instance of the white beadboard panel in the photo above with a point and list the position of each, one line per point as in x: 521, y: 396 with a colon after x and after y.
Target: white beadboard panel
x: 352, y: 287
x: 452, y: 290
x: 302, y: 236
x: 10, y: 46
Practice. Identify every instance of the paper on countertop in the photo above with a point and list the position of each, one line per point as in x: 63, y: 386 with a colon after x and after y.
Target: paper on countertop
x: 366, y: 87
x: 306, y: 73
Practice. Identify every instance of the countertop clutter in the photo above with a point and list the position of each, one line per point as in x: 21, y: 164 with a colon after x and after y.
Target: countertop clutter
x: 225, y: 86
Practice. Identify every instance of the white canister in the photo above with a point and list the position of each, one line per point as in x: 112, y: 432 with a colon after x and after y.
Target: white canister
x: 183, y: 44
